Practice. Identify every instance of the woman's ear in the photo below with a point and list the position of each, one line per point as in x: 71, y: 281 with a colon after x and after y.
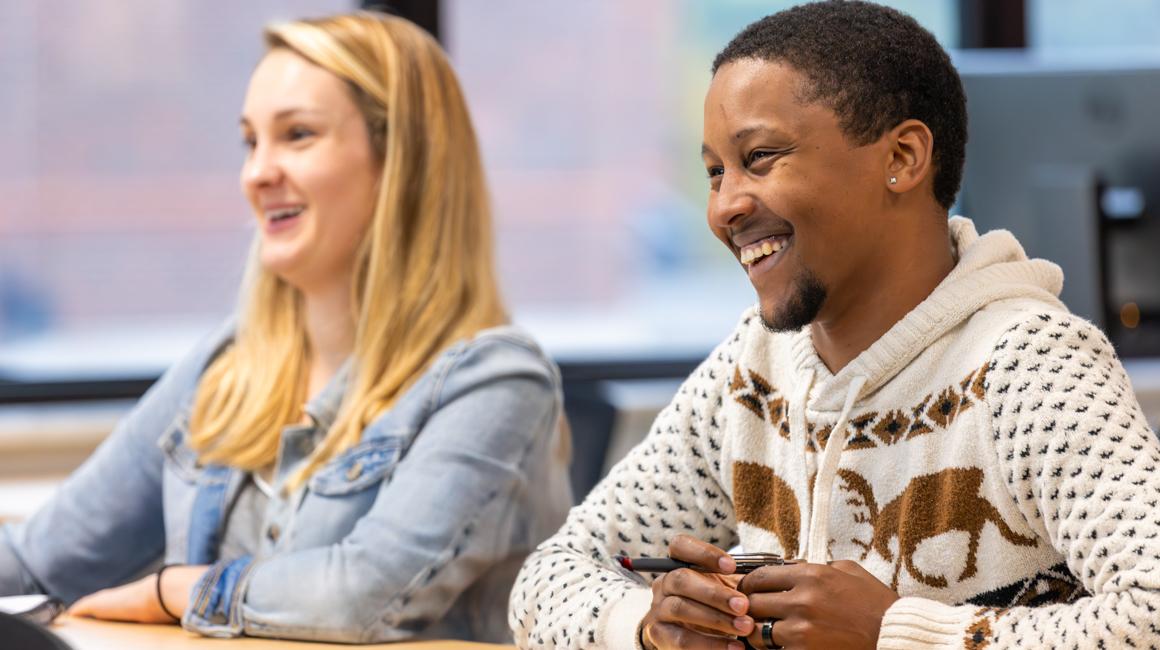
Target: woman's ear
x: 910, y: 156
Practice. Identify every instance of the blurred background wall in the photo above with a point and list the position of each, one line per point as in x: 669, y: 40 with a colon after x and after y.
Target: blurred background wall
x: 123, y: 231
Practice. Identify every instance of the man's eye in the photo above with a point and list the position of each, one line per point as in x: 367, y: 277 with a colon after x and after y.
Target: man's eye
x: 758, y: 155
x: 249, y: 142
x: 715, y: 171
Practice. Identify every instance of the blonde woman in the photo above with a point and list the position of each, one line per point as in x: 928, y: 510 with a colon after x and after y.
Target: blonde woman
x: 369, y: 451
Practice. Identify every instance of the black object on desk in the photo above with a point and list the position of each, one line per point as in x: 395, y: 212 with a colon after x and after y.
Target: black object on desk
x: 21, y: 634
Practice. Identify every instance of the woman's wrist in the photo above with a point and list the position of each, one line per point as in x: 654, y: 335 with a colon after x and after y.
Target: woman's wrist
x: 175, y: 586
x: 161, y: 595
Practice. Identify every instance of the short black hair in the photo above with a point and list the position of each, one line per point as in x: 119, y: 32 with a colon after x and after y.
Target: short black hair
x: 874, y: 67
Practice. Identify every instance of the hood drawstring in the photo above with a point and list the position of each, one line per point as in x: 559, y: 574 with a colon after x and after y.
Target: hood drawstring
x: 817, y: 545
x: 988, y: 269
x: 799, y: 435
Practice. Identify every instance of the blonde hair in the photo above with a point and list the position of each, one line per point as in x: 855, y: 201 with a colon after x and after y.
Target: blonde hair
x: 424, y: 274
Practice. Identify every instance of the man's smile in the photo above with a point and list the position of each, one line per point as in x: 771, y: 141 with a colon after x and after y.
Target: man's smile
x: 768, y: 247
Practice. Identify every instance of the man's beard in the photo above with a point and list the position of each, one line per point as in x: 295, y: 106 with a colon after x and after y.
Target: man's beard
x: 806, y: 296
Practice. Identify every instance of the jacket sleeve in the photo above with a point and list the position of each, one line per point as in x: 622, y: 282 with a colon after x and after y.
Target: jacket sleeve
x: 443, y: 519
x: 571, y: 593
x: 1080, y: 462
x: 104, y: 525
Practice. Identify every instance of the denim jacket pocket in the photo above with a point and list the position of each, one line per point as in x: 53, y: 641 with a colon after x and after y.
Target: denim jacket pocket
x: 362, y: 466
x: 180, y: 458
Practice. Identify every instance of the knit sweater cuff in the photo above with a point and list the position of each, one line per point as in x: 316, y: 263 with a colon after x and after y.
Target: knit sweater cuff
x: 623, y: 622
x: 913, y: 623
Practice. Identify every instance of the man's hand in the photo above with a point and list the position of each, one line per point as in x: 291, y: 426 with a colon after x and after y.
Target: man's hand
x: 137, y: 602
x: 695, y: 609
x: 838, y: 605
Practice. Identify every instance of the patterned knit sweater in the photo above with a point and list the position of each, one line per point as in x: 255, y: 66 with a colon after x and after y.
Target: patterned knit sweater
x: 986, y: 459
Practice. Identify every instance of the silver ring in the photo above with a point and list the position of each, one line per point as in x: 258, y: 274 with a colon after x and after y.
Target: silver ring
x: 767, y: 634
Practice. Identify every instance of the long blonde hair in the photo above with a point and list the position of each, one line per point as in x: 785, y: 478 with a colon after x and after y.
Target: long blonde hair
x: 424, y: 275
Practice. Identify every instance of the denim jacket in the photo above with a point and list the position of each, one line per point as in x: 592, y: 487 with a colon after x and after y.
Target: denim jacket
x: 416, y: 532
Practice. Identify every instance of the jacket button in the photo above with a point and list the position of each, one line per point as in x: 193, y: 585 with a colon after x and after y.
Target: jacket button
x: 274, y: 532
x: 355, y: 471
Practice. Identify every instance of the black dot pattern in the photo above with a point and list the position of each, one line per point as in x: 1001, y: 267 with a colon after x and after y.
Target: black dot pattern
x: 666, y: 486
x: 1061, y: 436
x: 1080, y: 462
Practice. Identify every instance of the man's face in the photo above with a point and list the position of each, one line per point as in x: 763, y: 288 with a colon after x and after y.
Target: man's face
x: 793, y: 200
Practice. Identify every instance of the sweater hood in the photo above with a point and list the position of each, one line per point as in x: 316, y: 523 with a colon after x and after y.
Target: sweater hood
x: 989, y: 268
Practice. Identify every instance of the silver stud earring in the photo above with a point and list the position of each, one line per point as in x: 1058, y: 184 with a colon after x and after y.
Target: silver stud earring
x: 894, y: 180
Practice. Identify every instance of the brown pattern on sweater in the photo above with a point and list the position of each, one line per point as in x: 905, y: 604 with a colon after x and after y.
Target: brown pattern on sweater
x: 1058, y: 432
x: 755, y: 393
x: 930, y: 505
x: 761, y: 498
x: 820, y: 435
x: 979, y: 633
x: 892, y: 427
x: 938, y: 410
x: 779, y: 416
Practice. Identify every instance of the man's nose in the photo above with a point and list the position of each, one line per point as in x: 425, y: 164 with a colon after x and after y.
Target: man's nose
x: 732, y: 201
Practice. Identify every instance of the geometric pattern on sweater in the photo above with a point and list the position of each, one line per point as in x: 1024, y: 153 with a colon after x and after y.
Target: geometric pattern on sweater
x: 1068, y: 460
x: 571, y: 580
x: 1065, y: 450
x: 934, y: 412
x: 1047, y: 587
x: 755, y: 393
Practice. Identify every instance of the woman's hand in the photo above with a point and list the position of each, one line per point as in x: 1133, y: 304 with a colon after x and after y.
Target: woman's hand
x: 137, y: 602
x: 697, y: 609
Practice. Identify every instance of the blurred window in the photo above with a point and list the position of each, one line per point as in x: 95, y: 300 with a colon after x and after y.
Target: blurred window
x: 123, y: 231
x: 1086, y: 25
x: 590, y: 119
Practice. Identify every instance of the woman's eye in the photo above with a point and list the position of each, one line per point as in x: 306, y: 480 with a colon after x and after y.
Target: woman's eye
x: 298, y: 133
x: 249, y: 142
x: 715, y: 171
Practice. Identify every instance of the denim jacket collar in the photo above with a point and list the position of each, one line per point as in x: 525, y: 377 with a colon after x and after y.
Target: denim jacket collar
x: 323, y: 407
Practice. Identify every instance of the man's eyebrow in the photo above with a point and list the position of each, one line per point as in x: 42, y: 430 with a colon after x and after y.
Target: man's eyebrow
x: 750, y: 130
x: 746, y: 132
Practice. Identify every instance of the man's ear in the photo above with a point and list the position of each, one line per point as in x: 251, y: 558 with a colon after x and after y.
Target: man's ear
x: 909, y: 159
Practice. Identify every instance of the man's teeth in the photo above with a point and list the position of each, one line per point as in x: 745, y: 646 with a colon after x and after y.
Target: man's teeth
x: 751, y: 254
x: 283, y: 213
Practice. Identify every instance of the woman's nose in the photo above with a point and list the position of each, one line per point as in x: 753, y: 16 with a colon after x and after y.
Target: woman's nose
x: 261, y: 168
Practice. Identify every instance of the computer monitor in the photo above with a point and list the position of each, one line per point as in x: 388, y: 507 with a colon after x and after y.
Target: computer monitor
x: 1066, y: 155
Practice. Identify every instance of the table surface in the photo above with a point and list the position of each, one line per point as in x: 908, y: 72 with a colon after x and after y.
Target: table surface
x: 90, y: 634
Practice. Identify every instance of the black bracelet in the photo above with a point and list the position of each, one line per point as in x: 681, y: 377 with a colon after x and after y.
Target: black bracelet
x: 160, y: 600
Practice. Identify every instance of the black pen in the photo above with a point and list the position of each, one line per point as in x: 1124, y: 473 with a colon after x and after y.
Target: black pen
x: 746, y: 563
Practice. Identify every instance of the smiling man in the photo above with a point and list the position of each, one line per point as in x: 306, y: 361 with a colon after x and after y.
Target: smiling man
x: 952, y: 458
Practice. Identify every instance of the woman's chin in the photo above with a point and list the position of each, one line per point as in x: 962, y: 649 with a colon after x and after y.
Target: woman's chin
x: 285, y: 267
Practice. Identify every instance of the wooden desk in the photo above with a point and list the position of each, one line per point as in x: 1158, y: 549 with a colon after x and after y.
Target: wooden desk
x: 90, y: 634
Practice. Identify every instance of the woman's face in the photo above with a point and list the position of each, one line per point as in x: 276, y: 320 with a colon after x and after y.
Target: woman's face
x: 310, y: 173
